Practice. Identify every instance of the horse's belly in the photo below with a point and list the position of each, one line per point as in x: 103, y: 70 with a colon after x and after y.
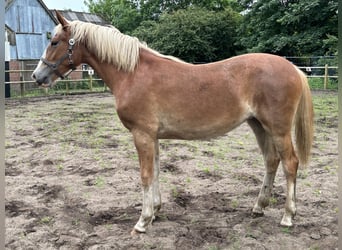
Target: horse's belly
x: 195, y: 130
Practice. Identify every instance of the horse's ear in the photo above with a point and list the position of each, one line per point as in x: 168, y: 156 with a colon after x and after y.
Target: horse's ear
x: 61, y: 19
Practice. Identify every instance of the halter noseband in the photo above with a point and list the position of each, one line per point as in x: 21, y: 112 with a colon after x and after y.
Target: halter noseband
x: 54, y: 66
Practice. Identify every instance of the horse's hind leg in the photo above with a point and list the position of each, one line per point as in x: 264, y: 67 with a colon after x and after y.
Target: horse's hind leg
x: 271, y: 159
x: 290, y: 165
x: 156, y: 191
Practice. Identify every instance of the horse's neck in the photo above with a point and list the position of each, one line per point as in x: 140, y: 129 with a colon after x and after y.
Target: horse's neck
x: 114, y: 78
x: 107, y: 72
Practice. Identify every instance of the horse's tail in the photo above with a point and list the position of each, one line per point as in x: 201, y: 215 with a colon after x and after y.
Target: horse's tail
x: 304, y: 125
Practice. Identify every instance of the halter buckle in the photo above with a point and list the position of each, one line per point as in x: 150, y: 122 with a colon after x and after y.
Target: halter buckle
x: 71, y: 41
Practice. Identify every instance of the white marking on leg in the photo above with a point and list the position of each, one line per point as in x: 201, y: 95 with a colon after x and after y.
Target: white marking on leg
x: 147, y: 210
x: 290, y: 205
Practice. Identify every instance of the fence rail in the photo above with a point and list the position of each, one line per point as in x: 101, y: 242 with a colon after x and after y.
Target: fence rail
x: 324, y: 72
x: 326, y: 75
x: 66, y: 86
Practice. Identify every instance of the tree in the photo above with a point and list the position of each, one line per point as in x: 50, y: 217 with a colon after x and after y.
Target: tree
x: 194, y: 30
x: 126, y: 15
x: 290, y: 27
x: 153, y: 9
x: 194, y: 34
x: 123, y: 14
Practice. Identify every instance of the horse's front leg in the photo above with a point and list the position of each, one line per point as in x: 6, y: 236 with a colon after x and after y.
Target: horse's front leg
x: 146, y: 147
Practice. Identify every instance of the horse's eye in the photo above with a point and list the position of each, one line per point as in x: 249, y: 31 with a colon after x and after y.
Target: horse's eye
x: 54, y: 43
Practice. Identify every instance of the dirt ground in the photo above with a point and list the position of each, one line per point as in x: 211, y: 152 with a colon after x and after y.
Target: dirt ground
x: 72, y: 182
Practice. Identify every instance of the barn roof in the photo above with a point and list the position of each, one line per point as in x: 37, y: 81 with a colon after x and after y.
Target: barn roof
x: 82, y: 16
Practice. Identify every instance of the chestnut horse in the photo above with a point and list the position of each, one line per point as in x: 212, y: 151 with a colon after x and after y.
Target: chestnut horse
x: 159, y: 97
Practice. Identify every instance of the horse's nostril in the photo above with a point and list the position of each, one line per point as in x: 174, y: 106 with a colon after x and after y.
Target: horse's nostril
x: 33, y: 76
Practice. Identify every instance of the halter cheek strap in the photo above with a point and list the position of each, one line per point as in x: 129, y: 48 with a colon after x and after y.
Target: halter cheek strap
x: 68, y: 55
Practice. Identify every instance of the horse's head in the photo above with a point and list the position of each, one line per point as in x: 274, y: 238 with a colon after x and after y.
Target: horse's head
x: 61, y: 56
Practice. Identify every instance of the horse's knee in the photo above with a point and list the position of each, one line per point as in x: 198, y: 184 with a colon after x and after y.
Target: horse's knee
x: 146, y: 175
x: 146, y: 180
x: 290, y: 166
x: 272, y: 163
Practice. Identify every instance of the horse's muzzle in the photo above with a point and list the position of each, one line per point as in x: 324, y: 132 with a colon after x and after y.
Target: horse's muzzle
x: 44, y: 81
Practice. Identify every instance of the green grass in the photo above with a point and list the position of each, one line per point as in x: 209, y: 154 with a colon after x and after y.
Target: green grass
x: 325, y: 105
x: 318, y: 84
x: 100, y: 182
x: 61, y: 87
x: 273, y: 201
x: 286, y: 230
x: 46, y: 220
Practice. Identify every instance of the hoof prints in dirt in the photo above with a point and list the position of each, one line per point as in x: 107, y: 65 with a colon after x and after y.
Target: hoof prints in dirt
x: 199, y: 236
x: 46, y: 193
x: 199, y: 228
x: 208, y: 203
x: 10, y: 170
x: 124, y: 217
x: 36, y: 144
x: 171, y: 168
x: 14, y: 208
x: 213, y: 176
x: 181, y: 198
x: 329, y: 122
x: 248, y: 179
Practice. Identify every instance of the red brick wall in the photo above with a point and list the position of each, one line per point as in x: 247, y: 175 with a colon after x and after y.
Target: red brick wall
x: 76, y: 75
x: 14, y: 76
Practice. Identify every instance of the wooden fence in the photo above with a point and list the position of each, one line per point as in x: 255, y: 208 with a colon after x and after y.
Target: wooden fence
x: 21, y: 87
x: 325, y: 76
x: 25, y: 87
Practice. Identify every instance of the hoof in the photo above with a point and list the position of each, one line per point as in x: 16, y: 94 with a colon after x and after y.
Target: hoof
x: 135, y: 232
x: 286, y: 221
x: 286, y: 224
x: 257, y: 215
x: 138, y: 229
x: 257, y: 212
x: 156, y: 208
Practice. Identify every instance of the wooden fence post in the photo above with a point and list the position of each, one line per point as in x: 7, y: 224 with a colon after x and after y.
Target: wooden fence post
x: 22, y: 84
x: 22, y: 87
x: 91, y: 82
x: 325, y: 76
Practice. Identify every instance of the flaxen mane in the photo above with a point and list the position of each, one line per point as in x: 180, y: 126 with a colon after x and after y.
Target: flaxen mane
x: 110, y: 45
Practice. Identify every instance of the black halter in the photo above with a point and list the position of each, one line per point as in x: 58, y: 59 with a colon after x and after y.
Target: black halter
x: 54, y: 66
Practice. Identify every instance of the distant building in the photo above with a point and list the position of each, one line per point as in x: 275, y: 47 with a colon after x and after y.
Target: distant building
x: 28, y: 25
x: 82, y: 16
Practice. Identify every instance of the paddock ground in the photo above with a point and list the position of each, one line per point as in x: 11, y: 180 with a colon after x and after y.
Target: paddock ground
x: 72, y: 182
